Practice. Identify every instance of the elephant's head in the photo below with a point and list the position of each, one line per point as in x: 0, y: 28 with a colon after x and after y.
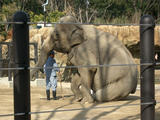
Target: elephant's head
x: 66, y: 36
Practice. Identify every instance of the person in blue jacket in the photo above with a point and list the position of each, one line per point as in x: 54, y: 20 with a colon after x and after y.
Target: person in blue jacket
x: 50, y: 69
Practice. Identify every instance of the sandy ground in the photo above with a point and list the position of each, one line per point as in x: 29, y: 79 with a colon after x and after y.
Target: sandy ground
x: 66, y: 109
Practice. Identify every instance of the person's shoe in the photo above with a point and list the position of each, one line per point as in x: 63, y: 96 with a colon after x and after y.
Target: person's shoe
x: 54, y: 95
x: 48, y: 94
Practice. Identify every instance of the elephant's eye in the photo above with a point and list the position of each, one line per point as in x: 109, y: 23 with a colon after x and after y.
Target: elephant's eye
x: 56, y: 35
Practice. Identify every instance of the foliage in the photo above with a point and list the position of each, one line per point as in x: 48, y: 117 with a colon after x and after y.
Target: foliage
x: 101, y: 11
x: 2, y: 30
x: 54, y: 16
x: 35, y: 17
x: 29, y: 5
x: 50, y: 17
x: 6, y: 13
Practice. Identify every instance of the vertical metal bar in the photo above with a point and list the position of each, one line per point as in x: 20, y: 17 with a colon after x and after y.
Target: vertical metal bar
x: 44, y: 18
x: 35, y: 52
x: 1, y: 62
x: 0, y: 51
x: 36, y: 56
x: 147, y: 71
x: 21, y: 77
x: 9, y: 62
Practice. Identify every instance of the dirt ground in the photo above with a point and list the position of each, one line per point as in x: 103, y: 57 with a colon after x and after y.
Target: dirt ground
x: 66, y: 109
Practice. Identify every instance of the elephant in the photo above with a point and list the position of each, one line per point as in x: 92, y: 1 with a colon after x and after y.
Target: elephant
x: 99, y: 57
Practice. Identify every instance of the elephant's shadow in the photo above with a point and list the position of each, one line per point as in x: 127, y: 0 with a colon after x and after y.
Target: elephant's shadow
x: 130, y: 98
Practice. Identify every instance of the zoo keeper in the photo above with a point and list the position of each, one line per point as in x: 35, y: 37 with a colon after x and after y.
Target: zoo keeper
x: 51, y: 77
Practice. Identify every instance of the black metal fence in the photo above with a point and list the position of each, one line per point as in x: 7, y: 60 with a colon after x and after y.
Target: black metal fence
x: 147, y: 72
x: 21, y: 53
x: 5, y: 57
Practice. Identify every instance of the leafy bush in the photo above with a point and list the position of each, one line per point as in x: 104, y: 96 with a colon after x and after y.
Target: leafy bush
x: 6, y: 14
x: 54, y: 16
x: 50, y: 17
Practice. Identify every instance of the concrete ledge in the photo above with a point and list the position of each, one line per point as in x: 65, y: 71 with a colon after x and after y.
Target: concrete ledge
x: 37, y: 83
x: 5, y: 83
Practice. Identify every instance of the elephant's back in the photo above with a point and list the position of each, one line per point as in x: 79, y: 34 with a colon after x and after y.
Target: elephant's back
x: 105, y: 47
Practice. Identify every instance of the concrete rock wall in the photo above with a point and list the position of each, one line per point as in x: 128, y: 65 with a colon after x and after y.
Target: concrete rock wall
x: 129, y: 35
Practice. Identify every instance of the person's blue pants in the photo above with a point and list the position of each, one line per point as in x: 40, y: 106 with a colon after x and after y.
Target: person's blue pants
x: 51, y: 83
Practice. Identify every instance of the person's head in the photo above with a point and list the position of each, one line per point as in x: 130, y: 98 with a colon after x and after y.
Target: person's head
x: 51, y: 54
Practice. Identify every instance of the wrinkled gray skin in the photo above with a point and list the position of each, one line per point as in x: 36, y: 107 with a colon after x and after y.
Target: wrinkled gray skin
x: 86, y: 45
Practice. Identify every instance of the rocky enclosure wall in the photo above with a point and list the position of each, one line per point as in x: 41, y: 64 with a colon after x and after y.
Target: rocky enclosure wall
x: 129, y: 35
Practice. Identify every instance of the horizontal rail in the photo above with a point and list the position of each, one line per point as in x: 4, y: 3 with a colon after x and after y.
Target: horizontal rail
x: 113, y: 24
x: 88, y: 66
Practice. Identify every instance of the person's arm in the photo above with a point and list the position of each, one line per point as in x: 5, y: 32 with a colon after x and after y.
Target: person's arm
x: 44, y: 68
x: 56, y: 67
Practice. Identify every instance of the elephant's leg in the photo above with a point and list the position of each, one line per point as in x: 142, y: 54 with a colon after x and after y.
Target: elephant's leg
x: 92, y: 73
x: 87, y: 97
x: 87, y: 83
x: 75, y: 83
x: 88, y: 76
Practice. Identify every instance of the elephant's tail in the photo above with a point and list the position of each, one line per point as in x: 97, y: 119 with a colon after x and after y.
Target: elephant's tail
x: 135, y: 81
x: 133, y: 91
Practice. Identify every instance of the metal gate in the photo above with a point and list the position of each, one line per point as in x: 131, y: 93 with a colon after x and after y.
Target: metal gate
x: 6, y: 57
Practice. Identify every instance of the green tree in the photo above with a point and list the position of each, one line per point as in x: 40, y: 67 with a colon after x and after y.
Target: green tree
x: 6, y: 12
x: 142, y: 7
x: 99, y: 11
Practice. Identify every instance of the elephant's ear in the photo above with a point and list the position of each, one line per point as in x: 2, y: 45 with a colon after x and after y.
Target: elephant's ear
x: 77, y: 36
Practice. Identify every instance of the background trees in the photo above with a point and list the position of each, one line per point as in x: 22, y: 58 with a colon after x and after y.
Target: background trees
x: 106, y: 11
x: 86, y: 11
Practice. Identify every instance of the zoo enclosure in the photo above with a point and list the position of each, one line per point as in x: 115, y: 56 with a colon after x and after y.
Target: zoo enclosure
x: 21, y: 31
x: 5, y: 57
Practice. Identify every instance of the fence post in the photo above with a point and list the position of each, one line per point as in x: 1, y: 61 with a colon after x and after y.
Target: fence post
x: 21, y: 79
x: 1, y: 62
x: 147, y: 71
x: 11, y: 61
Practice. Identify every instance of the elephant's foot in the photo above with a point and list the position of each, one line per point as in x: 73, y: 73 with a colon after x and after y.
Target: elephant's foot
x: 90, y: 99
x: 87, y: 94
x: 85, y: 100
x: 78, y: 99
